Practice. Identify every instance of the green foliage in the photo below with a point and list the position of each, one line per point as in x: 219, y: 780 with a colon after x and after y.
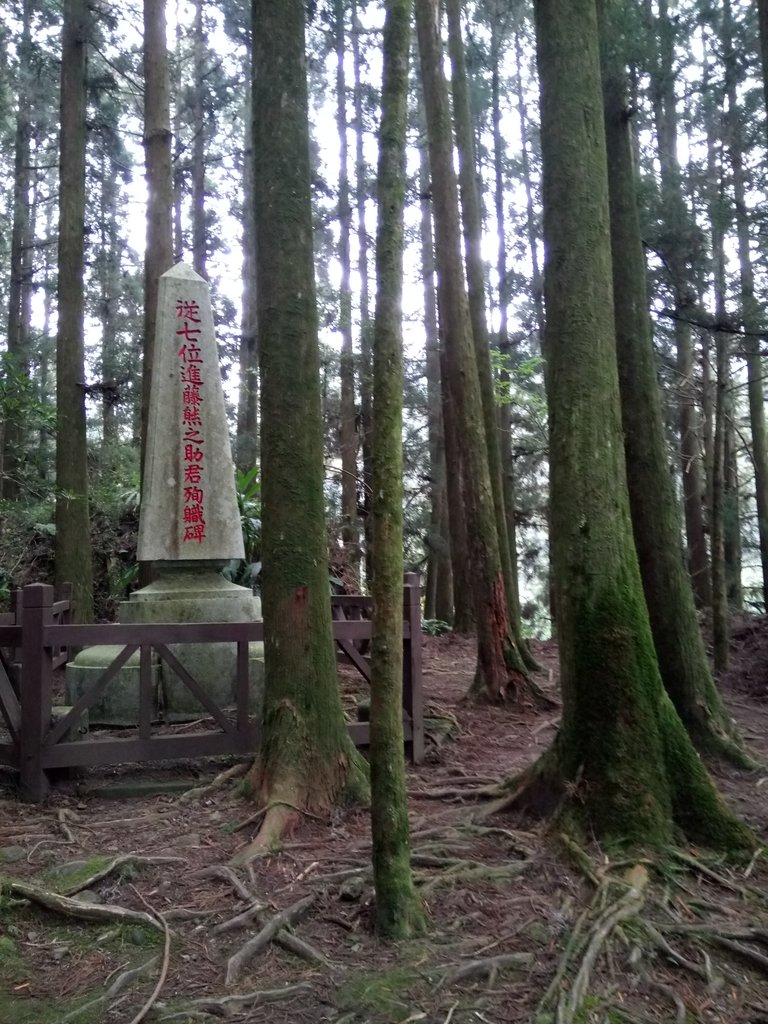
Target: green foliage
x: 435, y: 627
x: 245, y: 571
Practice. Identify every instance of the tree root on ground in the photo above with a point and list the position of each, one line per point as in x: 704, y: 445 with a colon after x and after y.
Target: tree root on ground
x: 487, y: 967
x: 235, y: 772
x: 106, y: 869
x: 282, y: 920
x: 121, y: 981
x: 229, y: 1005
x: 75, y: 908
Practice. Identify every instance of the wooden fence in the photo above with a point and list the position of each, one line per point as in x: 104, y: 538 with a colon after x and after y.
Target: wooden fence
x: 37, y: 636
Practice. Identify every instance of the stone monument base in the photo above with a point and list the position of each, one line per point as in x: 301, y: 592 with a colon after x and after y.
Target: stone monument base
x: 182, y: 594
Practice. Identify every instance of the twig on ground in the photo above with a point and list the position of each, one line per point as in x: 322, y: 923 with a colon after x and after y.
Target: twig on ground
x: 282, y: 920
x: 164, y: 966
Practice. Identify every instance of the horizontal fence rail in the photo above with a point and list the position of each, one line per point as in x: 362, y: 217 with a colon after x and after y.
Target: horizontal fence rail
x: 37, y: 635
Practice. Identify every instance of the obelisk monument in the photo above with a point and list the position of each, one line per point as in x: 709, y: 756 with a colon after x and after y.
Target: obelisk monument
x: 189, y: 524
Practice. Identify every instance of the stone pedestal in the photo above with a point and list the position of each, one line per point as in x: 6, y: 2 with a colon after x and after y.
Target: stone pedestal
x: 181, y: 594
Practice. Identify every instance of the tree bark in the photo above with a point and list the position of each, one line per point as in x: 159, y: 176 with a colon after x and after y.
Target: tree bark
x: 622, y: 765
x: 157, y: 170
x: 655, y: 515
x: 676, y: 218
x: 476, y: 294
x: 199, y: 139
x: 398, y: 911
x: 307, y: 759
x: 12, y: 433
x: 73, y: 541
x: 347, y: 417
x: 247, y: 447
x: 499, y: 666
x: 438, y: 597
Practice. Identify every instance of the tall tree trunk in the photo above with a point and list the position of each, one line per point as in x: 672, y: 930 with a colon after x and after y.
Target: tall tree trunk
x: 307, y: 759
x: 751, y: 313
x: 678, y: 643
x: 347, y: 428
x: 199, y: 139
x: 109, y: 299
x: 157, y: 169
x: 499, y: 665
x: 366, y: 326
x: 622, y: 764
x: 247, y: 447
x: 676, y: 257
x: 73, y: 539
x: 12, y: 434
x: 398, y: 911
x: 473, y: 236
x: 762, y: 16
x: 438, y: 597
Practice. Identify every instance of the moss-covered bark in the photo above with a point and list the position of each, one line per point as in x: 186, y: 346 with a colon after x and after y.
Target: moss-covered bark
x: 500, y: 666
x: 656, y: 519
x: 398, y: 912
x: 73, y: 541
x: 306, y: 759
x: 622, y: 759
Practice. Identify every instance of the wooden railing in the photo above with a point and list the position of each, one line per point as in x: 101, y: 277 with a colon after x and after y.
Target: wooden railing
x: 38, y: 635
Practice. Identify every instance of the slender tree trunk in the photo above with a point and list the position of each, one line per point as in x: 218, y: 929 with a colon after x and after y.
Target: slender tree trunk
x: 762, y: 16
x: 438, y: 598
x: 73, y: 539
x: 199, y: 138
x: 665, y: 116
x: 347, y: 428
x: 461, y: 558
x: 248, y: 399
x: 12, y: 433
x: 366, y: 326
x: 398, y: 911
x: 476, y: 293
x: 500, y: 666
x: 109, y: 285
x: 751, y: 313
x: 622, y: 764
x: 306, y: 759
x: 678, y: 643
x: 157, y: 169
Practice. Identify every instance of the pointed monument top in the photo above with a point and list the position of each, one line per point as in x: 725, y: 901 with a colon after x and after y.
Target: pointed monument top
x: 182, y: 271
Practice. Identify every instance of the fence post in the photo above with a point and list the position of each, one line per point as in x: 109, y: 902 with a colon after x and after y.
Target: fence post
x: 35, y: 690
x: 413, y: 698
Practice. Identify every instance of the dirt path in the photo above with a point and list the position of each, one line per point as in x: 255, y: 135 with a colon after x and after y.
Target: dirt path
x: 510, y: 893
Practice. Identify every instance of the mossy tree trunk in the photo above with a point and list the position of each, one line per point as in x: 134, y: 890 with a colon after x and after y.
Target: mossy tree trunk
x: 398, y: 911
x: 306, y: 759
x: 499, y: 664
x: 656, y: 518
x: 73, y: 538
x: 622, y: 765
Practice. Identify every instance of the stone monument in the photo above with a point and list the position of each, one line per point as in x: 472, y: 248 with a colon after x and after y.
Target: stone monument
x: 189, y: 522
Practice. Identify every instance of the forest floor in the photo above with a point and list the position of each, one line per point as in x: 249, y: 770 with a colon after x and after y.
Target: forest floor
x: 521, y: 927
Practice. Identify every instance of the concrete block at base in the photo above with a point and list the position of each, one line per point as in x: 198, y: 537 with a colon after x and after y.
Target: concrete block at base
x: 214, y: 667
x: 119, y: 703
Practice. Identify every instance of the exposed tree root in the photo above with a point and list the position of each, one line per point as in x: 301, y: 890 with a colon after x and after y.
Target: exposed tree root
x: 282, y: 920
x: 235, y: 772
x: 486, y: 968
x: 233, y: 1004
x: 74, y: 908
x: 112, y: 865
x: 141, y: 1015
x: 121, y: 981
x: 279, y: 817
